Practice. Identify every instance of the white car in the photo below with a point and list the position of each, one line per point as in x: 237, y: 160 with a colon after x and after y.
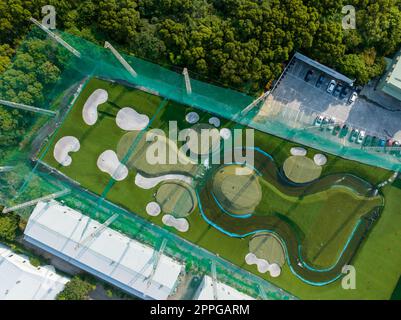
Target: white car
x: 331, y: 86
x: 352, y: 97
x: 318, y: 121
x: 332, y: 123
x: 361, y: 136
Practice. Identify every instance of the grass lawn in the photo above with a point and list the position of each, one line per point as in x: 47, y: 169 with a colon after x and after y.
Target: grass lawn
x: 371, y: 282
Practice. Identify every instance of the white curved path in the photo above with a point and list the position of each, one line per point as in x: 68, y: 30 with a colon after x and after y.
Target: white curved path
x: 149, y: 183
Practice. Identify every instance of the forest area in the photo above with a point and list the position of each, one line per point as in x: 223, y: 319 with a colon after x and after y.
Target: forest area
x: 241, y: 44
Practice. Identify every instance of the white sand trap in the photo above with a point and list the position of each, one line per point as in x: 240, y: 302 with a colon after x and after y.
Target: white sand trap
x: 62, y: 149
x: 109, y: 163
x: 180, y: 224
x: 149, y: 183
x: 128, y: 119
x: 153, y: 209
x: 192, y: 117
x: 225, y: 133
x: 274, y: 270
x: 243, y: 171
x: 261, y: 264
x: 320, y: 159
x: 89, y: 111
x: 298, y: 151
x: 214, y: 121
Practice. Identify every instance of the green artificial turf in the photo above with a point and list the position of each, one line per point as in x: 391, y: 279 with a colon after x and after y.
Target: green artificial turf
x: 376, y: 277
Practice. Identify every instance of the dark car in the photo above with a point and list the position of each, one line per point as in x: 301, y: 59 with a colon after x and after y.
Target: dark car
x: 337, y: 90
x: 308, y: 75
x: 374, y: 141
x: 344, y: 92
x: 336, y: 129
x: 324, y: 124
x: 319, y: 81
x: 381, y: 144
x: 344, y: 131
x: 367, y: 141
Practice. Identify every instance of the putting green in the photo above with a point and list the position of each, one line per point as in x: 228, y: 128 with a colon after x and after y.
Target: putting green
x: 301, y: 169
x: 176, y: 198
x: 205, y: 140
x: 237, y: 189
x: 267, y: 246
x: 142, y: 155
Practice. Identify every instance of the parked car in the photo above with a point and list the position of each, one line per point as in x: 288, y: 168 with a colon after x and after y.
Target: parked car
x: 308, y: 75
x: 337, y: 90
x: 344, y: 92
x: 344, y: 131
x: 337, y: 129
x: 331, y: 86
x: 352, y: 97
x: 332, y: 123
x: 354, y: 134
x: 367, y: 141
x: 319, y: 81
x: 318, y: 121
x: 374, y: 141
x: 325, y: 122
x: 361, y: 137
x: 381, y: 144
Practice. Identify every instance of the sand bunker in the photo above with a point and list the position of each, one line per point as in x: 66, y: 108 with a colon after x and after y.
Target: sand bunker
x: 192, y: 117
x: 298, y: 151
x: 262, y: 265
x: 109, y: 163
x: 89, y: 111
x: 214, y: 121
x: 149, y: 183
x: 180, y: 224
x: 62, y: 149
x: 274, y: 270
x: 320, y: 159
x: 225, y: 133
x: 128, y: 119
x: 153, y: 209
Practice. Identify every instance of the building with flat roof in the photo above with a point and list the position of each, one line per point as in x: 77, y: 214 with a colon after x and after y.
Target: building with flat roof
x: 107, y: 254
x: 223, y: 291
x: 20, y: 280
x: 391, y: 81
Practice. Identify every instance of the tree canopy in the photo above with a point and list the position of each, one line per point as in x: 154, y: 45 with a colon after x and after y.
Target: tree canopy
x: 242, y: 44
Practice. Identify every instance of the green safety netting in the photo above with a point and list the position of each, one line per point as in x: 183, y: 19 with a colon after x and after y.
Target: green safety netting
x: 166, y: 86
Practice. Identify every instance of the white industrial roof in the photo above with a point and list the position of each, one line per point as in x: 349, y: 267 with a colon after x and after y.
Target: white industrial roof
x: 19, y: 280
x: 109, y: 255
x: 224, y: 292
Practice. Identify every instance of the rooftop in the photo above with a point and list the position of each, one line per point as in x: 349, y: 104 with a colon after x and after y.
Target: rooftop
x: 20, y: 280
x: 108, y: 254
x: 391, y: 82
x: 224, y: 292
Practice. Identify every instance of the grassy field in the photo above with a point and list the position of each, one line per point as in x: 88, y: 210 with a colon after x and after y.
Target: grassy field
x: 372, y: 282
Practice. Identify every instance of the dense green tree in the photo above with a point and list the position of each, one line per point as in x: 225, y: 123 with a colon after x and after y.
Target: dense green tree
x: 76, y: 289
x: 8, y: 227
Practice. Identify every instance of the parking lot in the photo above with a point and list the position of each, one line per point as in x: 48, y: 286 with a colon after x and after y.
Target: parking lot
x: 305, y: 101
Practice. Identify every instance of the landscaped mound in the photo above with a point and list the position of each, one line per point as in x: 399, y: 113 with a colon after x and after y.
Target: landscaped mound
x: 237, y: 189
